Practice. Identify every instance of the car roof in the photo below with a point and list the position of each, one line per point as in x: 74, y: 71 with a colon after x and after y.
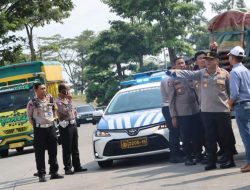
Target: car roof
x: 85, y: 105
x: 141, y: 86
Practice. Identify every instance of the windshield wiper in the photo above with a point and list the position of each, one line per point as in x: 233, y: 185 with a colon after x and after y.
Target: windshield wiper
x: 132, y: 110
x: 125, y: 111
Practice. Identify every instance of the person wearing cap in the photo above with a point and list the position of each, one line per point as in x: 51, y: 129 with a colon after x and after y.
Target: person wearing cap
x: 184, y: 110
x: 240, y: 98
x: 174, y: 132
x: 68, y: 130
x: 215, y: 110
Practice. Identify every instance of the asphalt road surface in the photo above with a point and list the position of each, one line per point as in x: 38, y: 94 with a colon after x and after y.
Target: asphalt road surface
x: 144, y: 173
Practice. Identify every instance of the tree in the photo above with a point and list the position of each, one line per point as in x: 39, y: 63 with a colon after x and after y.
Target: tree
x: 82, y: 47
x: 102, y: 84
x: 73, y: 53
x: 10, y: 44
x: 35, y: 13
x: 11, y: 50
x: 168, y: 18
x: 197, y: 29
x: 122, y: 43
x: 227, y: 5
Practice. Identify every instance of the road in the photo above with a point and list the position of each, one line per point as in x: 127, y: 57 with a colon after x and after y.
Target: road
x: 154, y: 172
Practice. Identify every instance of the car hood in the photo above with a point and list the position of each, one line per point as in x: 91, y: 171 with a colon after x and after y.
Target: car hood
x: 85, y: 113
x: 131, y: 119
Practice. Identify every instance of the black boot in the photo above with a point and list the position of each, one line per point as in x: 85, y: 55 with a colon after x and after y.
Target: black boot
x: 189, y: 161
x: 228, y: 164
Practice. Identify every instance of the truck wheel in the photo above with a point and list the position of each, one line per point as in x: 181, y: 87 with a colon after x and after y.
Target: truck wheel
x: 4, y: 153
x: 20, y: 149
x: 105, y: 164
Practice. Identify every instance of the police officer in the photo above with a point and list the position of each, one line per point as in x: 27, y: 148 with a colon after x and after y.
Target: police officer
x: 41, y: 113
x: 214, y: 108
x: 68, y: 131
x: 200, y: 61
x: 184, y: 110
x: 174, y: 133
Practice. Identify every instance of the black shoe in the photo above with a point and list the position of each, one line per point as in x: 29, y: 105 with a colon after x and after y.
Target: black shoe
x: 210, y: 167
x: 189, y: 162
x: 81, y: 169
x: 223, y: 159
x: 69, y: 172
x: 198, y: 158
x: 56, y: 176
x: 228, y: 164
x: 35, y: 174
x: 42, y: 178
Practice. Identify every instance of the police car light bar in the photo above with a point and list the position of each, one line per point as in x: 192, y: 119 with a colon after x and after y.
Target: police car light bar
x: 143, y: 80
x: 146, y: 74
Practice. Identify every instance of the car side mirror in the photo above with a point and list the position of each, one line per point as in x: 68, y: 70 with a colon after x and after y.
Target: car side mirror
x: 97, y: 115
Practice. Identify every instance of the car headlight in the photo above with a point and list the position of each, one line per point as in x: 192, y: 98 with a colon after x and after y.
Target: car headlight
x: 101, y: 133
x: 163, y: 126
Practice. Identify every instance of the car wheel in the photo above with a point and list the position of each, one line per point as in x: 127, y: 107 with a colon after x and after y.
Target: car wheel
x: 105, y: 164
x: 4, y: 153
x: 94, y: 122
x: 20, y: 149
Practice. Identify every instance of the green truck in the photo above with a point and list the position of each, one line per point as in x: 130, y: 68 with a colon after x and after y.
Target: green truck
x: 16, y: 89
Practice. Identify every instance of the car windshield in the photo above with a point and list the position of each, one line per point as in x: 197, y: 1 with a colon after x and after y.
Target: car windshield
x: 141, y: 99
x: 86, y: 108
x: 15, y: 100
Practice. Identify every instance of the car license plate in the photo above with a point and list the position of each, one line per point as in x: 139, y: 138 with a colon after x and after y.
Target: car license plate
x: 16, y: 145
x: 89, y: 118
x: 134, y: 143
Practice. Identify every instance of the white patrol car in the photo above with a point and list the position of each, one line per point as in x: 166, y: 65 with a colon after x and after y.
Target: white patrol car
x: 132, y: 125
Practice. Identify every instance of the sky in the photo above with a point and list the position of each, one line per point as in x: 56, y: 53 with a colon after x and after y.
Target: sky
x: 92, y: 15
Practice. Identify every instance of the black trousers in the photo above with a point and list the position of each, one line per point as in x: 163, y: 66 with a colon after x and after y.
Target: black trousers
x: 190, y: 134
x: 69, y: 140
x: 174, y: 133
x: 45, y: 138
x: 217, y: 125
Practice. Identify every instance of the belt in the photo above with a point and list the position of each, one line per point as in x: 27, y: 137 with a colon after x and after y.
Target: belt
x: 44, y: 125
x: 242, y: 102
x: 65, y: 123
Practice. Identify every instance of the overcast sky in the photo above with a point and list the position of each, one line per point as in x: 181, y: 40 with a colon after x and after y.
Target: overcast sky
x: 91, y: 15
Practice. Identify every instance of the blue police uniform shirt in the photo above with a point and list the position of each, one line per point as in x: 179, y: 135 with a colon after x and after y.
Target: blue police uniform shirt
x: 240, y: 83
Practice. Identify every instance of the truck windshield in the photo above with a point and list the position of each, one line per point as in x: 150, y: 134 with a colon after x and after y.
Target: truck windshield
x: 15, y: 100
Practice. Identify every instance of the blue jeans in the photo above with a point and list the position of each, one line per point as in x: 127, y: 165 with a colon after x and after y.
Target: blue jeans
x: 242, y: 114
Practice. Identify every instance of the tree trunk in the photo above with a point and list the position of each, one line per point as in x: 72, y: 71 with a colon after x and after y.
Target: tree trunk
x: 29, y: 30
x: 119, y: 70
x: 141, y: 61
x: 172, y: 55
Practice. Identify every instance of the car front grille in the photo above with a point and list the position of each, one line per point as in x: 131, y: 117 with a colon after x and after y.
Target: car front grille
x: 86, y: 115
x: 155, y: 142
